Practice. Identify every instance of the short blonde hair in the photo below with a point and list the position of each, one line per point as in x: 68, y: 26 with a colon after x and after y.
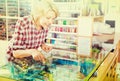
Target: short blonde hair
x: 41, y: 7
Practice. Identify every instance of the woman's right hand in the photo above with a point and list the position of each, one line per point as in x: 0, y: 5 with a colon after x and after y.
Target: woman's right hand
x: 38, y: 56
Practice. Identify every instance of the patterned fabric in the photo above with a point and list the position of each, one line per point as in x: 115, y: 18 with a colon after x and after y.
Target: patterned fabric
x: 26, y: 36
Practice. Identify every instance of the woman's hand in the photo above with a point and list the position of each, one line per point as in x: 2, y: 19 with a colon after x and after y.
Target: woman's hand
x: 38, y: 56
x: 46, y: 48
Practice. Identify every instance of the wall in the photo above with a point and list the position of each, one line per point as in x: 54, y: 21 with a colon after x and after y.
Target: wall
x: 3, y: 46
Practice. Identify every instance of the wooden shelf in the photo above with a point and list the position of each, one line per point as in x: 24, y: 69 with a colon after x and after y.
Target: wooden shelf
x: 11, y: 11
x: 58, y: 57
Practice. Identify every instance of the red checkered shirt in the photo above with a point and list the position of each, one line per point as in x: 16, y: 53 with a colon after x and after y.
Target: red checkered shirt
x: 26, y: 36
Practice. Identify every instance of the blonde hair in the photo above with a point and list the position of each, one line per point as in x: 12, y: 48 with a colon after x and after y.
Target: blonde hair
x: 41, y: 7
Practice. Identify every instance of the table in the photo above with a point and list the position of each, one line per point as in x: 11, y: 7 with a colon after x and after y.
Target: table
x: 64, y: 72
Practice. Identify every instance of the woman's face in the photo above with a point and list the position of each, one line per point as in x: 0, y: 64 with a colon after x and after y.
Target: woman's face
x: 47, y: 20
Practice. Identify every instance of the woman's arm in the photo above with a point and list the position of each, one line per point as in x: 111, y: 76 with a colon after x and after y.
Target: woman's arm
x: 22, y: 53
x: 37, y: 55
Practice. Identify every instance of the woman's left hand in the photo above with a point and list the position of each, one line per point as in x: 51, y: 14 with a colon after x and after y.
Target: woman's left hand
x: 46, y: 48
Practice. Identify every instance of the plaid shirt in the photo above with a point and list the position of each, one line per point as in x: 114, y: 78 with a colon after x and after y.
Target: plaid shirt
x: 26, y: 36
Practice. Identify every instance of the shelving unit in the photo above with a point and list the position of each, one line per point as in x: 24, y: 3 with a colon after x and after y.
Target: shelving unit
x: 85, y: 34
x: 71, y: 40
x: 10, y: 11
x: 63, y: 38
x: 62, y: 35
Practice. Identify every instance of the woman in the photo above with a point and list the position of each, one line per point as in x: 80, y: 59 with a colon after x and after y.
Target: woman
x: 31, y: 31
